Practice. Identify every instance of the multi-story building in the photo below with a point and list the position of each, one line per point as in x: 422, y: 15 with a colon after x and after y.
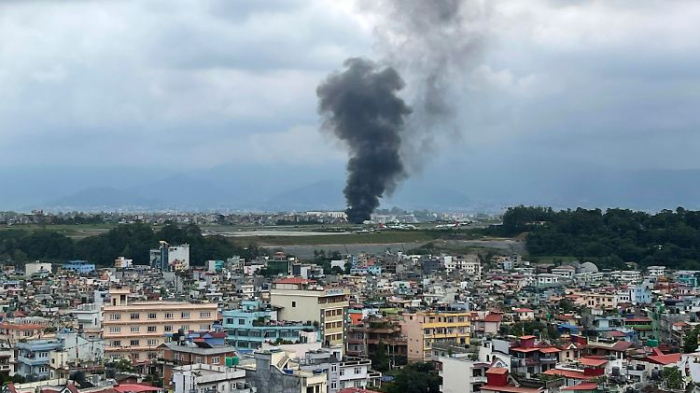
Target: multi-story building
x: 183, y: 353
x: 252, y: 325
x: 363, y: 340
x: 82, y: 267
x: 303, y: 300
x: 40, y: 268
x: 209, y: 378
x: 7, y: 360
x: 13, y: 332
x: 462, y: 375
x: 123, y: 263
x: 274, y: 372
x: 170, y: 258
x: 341, y: 373
x: 530, y: 358
x: 135, y: 330
x: 425, y: 327
x: 33, y: 357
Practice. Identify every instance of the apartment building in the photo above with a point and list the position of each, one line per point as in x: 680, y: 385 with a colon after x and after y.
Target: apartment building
x: 424, y: 328
x: 135, y: 330
x: 303, y: 300
x: 184, y: 353
x: 13, y: 332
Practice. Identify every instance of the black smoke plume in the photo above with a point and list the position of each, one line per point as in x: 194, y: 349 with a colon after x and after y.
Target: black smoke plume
x: 361, y: 107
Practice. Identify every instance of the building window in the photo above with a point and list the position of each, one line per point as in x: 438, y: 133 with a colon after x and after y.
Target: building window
x: 215, y: 360
x: 241, y: 321
x: 185, y: 315
x: 151, y: 329
x: 358, y: 370
x: 134, y: 343
x: 135, y: 316
x: 115, y: 329
x: 115, y: 317
x: 152, y: 342
x: 294, y: 304
x: 152, y: 315
x: 116, y: 343
x: 185, y: 328
x: 334, y: 368
x: 168, y: 328
x: 135, y: 329
x: 169, y: 315
x: 229, y: 321
x: 205, y: 314
x: 152, y: 355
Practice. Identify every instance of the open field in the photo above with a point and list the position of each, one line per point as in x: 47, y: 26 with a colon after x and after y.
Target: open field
x: 74, y: 231
x: 383, y: 237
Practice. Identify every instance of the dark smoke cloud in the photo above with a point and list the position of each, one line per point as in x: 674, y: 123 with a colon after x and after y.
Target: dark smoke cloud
x: 432, y: 43
x: 361, y: 107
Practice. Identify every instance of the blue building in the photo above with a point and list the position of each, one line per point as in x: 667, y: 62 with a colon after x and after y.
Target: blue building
x: 252, y: 325
x: 82, y: 267
x: 34, y: 358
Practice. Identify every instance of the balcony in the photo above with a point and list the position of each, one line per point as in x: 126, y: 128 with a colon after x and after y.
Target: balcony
x: 33, y: 360
x: 479, y: 379
x: 549, y: 360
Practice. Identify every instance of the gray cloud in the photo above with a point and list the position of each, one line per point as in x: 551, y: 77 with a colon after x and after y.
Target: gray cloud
x: 204, y: 83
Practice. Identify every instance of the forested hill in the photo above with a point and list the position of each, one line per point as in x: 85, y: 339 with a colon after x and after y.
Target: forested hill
x: 668, y: 238
x: 131, y: 241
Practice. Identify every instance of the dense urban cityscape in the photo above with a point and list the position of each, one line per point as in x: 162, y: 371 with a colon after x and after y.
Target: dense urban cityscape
x: 481, y: 314
x: 356, y: 196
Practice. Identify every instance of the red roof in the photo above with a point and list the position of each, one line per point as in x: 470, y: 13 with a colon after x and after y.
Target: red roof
x: 638, y: 319
x: 592, y: 362
x: 136, y: 388
x: 510, y: 389
x: 293, y: 280
x: 568, y: 374
x: 621, y: 346
x: 493, y: 318
x: 527, y: 337
x: 497, y: 370
x: 523, y: 310
x: 665, y: 359
x: 582, y: 386
x: 549, y: 350
x: 614, y: 333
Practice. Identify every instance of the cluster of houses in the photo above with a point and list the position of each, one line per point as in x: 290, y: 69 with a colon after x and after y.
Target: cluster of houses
x: 488, y: 323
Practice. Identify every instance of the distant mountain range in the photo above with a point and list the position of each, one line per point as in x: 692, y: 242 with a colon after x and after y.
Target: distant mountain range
x: 298, y: 189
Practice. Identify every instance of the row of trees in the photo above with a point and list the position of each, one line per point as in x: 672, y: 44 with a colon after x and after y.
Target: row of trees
x: 611, y: 237
x: 130, y: 240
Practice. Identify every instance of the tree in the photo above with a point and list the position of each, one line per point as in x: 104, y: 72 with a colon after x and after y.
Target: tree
x: 690, y: 340
x: 672, y: 377
x: 380, y: 360
x: 566, y: 305
x: 416, y: 378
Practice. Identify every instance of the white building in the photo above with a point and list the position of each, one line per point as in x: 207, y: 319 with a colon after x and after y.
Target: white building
x: 656, y: 271
x: 547, y: 279
x: 37, y: 267
x: 566, y: 272
x: 342, y: 374
x: 123, y: 263
x: 170, y: 258
x: 207, y: 377
x: 626, y: 276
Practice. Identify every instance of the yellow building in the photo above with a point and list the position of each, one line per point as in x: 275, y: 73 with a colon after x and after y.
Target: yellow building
x: 134, y: 330
x: 303, y: 300
x: 422, y: 329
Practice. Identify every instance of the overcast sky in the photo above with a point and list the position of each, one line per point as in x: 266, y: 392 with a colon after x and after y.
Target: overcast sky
x: 198, y: 84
